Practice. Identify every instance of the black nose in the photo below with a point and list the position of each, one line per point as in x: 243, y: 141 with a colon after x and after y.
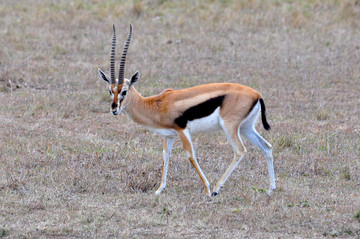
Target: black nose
x: 114, y: 105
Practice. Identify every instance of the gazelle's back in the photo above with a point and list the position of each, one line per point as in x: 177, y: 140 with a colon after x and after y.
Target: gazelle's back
x: 201, y: 101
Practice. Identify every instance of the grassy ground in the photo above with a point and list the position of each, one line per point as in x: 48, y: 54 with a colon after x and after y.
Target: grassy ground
x: 70, y: 169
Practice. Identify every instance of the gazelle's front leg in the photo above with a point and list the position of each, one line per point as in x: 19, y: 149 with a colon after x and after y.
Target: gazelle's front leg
x: 186, y: 140
x: 168, y: 144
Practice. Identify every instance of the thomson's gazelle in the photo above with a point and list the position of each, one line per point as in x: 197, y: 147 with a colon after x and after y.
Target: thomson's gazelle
x: 231, y: 107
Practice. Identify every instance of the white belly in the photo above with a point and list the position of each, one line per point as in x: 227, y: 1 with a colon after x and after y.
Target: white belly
x: 164, y: 132
x: 205, y: 125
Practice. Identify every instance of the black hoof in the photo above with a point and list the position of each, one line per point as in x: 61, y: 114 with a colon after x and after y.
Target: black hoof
x: 214, y: 194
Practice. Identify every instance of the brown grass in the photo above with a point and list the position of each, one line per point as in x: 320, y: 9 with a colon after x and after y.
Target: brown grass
x: 70, y: 169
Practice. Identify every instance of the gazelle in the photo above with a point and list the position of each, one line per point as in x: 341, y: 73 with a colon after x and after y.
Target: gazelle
x: 205, y: 108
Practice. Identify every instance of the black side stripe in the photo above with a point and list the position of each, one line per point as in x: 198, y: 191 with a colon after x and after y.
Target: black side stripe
x: 199, y: 111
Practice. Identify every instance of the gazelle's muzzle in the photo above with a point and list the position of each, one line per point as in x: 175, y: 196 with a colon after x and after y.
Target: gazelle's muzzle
x: 114, y: 109
x: 115, y: 112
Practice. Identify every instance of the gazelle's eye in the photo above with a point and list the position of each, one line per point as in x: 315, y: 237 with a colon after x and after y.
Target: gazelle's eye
x: 110, y: 92
x: 124, y: 93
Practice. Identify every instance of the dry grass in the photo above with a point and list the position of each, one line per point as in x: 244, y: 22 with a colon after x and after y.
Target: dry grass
x: 70, y: 169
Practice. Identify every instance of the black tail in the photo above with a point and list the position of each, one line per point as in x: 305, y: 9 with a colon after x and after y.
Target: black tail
x: 263, y: 115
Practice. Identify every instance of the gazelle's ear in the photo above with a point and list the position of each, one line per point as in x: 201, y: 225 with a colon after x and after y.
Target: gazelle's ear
x: 103, y: 76
x: 134, y: 78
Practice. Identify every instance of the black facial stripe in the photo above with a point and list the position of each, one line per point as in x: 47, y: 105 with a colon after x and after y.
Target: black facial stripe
x: 199, y: 111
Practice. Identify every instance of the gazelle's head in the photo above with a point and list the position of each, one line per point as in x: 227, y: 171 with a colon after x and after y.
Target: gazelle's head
x: 119, y: 88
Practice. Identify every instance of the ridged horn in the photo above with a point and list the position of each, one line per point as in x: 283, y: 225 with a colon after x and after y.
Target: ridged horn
x: 112, y: 58
x: 123, y: 58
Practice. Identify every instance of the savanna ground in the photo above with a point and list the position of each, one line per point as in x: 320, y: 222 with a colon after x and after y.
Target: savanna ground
x: 70, y: 169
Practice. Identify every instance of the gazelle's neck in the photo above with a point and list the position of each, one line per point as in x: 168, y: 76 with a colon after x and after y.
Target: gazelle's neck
x: 139, y: 109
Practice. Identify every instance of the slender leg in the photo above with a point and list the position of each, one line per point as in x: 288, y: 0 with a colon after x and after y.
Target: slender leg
x: 232, y: 133
x: 186, y: 140
x: 168, y: 144
x: 255, y: 138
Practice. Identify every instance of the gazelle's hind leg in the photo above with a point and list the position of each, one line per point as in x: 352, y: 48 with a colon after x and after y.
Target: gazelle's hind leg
x: 247, y: 129
x: 250, y: 133
x: 232, y: 133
